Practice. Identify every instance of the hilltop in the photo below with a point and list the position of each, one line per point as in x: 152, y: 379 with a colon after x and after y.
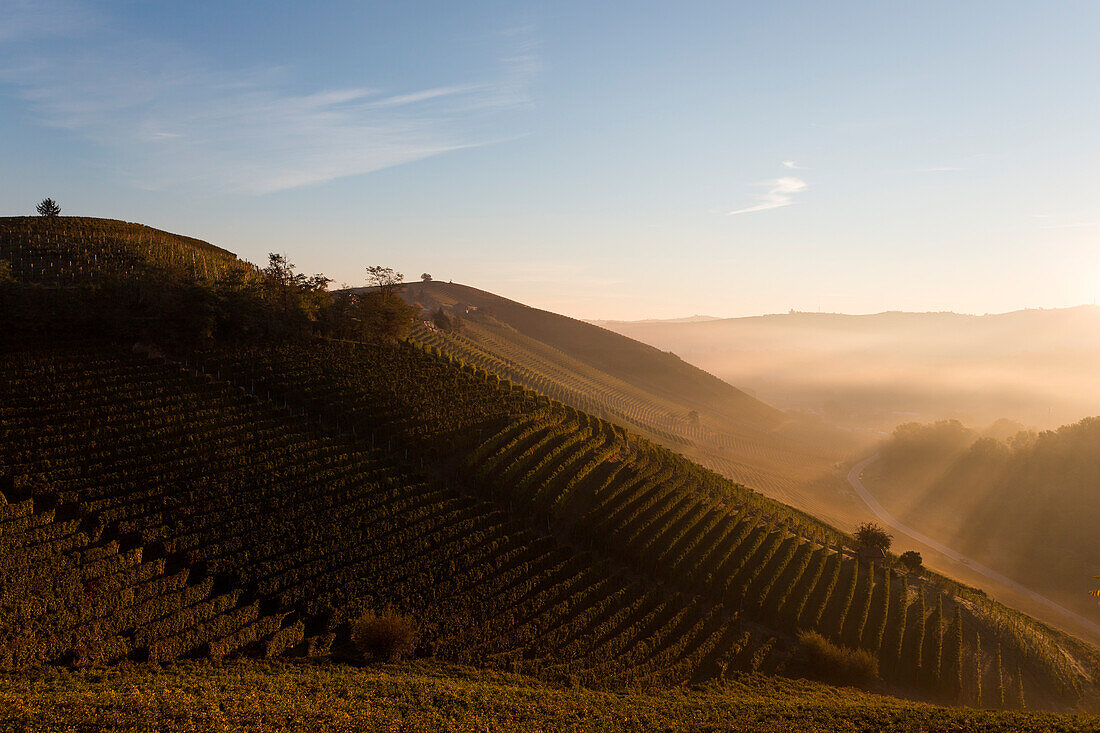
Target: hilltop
x: 195, y: 467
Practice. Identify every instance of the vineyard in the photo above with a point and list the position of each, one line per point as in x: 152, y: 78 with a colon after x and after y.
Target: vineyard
x: 269, y: 696
x: 250, y: 499
x: 79, y: 251
x: 721, y: 429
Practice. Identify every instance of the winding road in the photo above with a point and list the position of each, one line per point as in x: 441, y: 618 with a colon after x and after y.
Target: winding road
x: 855, y: 478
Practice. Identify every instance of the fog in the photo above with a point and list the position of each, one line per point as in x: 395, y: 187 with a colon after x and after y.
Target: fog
x: 1037, y: 367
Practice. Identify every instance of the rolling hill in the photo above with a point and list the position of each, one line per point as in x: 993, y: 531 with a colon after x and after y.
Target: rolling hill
x: 204, y: 498
x: 877, y: 371
x: 652, y: 392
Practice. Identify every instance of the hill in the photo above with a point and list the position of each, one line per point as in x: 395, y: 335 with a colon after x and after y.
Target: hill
x: 208, y: 496
x: 877, y: 371
x: 645, y: 390
x: 82, y: 250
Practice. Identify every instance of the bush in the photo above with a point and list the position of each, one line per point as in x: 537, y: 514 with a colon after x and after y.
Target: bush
x: 912, y: 560
x: 870, y: 534
x: 388, y: 636
x: 832, y: 663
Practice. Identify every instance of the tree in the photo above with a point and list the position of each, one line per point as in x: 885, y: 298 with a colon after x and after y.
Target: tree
x: 871, y: 535
x: 382, y: 318
x: 48, y: 208
x: 425, y: 277
x: 441, y: 321
x: 296, y: 297
x: 384, y: 278
x: 912, y: 560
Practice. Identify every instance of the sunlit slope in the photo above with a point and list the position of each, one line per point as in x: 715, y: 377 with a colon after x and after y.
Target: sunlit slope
x: 642, y: 388
x: 81, y: 250
x: 1026, y: 504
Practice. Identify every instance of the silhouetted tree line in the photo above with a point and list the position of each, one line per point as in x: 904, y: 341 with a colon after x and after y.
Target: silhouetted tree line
x: 245, y: 303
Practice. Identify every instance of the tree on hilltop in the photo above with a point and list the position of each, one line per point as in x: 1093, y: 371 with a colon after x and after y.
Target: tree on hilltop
x: 385, y: 279
x: 425, y: 277
x: 48, y: 208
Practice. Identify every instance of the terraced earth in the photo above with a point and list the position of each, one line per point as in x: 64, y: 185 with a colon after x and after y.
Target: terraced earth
x: 248, y: 499
x: 647, y: 391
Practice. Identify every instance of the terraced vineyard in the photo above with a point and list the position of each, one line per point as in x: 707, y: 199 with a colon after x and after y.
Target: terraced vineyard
x: 190, y: 518
x: 250, y: 499
x: 77, y: 251
x: 644, y: 509
x: 663, y: 399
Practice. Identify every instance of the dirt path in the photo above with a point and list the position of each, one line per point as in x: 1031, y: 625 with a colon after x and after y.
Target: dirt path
x: 855, y: 477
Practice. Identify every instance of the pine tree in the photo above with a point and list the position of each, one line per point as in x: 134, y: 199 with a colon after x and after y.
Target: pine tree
x: 48, y: 208
x: 1021, y: 702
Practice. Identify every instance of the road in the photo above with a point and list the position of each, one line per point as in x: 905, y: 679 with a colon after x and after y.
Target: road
x: 855, y: 478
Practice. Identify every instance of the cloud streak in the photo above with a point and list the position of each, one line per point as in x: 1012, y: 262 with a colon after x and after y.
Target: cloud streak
x: 170, y: 118
x: 779, y: 194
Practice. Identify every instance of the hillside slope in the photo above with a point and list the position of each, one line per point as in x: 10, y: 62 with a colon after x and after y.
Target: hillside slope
x: 646, y: 390
x: 83, y: 250
x: 250, y: 497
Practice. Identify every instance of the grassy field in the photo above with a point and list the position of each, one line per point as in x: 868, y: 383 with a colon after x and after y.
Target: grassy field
x: 260, y: 696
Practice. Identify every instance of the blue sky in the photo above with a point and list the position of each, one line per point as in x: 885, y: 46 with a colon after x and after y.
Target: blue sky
x: 604, y: 160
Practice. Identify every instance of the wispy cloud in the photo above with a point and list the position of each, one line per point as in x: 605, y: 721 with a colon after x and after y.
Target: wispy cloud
x: 779, y: 194
x: 791, y: 164
x: 27, y: 20
x: 171, y: 118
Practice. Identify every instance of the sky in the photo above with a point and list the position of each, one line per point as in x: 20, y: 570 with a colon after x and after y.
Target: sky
x: 611, y: 160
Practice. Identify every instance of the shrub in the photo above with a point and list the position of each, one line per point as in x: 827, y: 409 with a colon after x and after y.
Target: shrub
x: 389, y: 636
x: 833, y: 663
x: 871, y: 535
x: 912, y: 560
